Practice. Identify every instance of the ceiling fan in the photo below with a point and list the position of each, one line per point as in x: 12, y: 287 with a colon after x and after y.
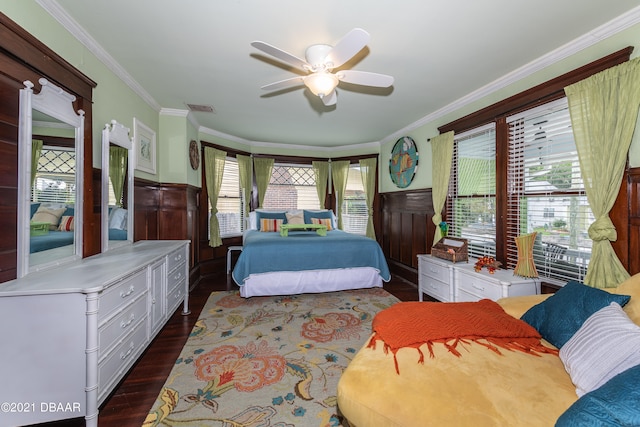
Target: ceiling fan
x: 321, y: 60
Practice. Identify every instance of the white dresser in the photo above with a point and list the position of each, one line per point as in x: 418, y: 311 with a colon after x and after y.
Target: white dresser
x: 435, y: 278
x: 447, y: 281
x: 70, y: 334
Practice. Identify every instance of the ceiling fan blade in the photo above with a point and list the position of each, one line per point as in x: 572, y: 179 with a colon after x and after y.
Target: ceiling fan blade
x: 330, y: 99
x: 353, y: 42
x: 284, y: 84
x: 364, y: 78
x: 290, y: 59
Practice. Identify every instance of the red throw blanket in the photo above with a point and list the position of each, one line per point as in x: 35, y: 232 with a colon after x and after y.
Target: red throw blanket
x: 412, y: 324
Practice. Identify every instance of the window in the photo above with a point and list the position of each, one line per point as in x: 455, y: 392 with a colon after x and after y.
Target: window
x: 292, y: 187
x: 546, y: 193
x: 471, y: 205
x: 354, y: 207
x: 55, y: 180
x: 230, y: 202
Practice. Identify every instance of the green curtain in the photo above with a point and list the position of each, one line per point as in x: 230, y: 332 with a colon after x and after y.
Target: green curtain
x: 263, y: 167
x: 245, y: 168
x: 339, y: 174
x: 214, y: 169
x: 368, y: 175
x: 36, y: 151
x: 604, y: 110
x: 321, y: 171
x: 442, y: 156
x: 118, y: 170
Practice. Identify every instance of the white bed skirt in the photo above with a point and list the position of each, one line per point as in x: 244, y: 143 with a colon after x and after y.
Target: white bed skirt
x: 310, y: 281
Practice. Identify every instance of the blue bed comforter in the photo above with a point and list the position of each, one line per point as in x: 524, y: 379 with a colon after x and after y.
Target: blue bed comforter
x: 305, y: 250
x: 54, y: 239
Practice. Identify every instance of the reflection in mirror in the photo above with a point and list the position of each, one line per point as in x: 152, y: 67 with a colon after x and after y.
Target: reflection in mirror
x: 49, y: 213
x: 117, y: 198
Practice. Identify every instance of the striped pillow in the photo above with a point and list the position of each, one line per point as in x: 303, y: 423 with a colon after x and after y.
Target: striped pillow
x: 322, y: 221
x: 66, y: 224
x: 270, y: 224
x: 606, y: 344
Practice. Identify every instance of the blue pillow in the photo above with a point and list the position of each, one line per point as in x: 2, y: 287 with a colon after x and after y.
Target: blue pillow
x: 615, y: 403
x: 270, y: 215
x: 561, y: 315
x: 34, y: 208
x: 70, y: 211
x: 318, y: 214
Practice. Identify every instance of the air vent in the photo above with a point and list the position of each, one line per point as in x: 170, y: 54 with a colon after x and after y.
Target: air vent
x: 201, y: 108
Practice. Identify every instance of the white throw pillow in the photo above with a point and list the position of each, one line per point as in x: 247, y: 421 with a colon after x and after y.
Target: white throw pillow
x: 118, y: 218
x: 295, y: 217
x: 606, y: 344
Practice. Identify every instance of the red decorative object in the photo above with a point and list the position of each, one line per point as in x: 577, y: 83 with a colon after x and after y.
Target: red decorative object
x: 489, y: 262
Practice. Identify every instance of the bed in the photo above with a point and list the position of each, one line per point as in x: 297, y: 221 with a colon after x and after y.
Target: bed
x: 305, y: 262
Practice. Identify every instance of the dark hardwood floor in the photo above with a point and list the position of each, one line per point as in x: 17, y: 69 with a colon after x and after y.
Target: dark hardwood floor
x: 130, y: 402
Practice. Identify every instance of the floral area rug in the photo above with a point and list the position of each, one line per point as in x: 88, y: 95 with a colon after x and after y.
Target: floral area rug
x: 267, y: 361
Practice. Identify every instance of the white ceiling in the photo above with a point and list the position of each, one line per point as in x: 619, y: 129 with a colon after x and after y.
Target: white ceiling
x: 198, y: 52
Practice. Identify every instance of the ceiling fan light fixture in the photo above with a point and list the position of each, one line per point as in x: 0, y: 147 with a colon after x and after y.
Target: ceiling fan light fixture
x: 321, y: 83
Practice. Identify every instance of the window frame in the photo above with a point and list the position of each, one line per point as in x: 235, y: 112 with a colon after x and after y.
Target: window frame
x: 528, y: 99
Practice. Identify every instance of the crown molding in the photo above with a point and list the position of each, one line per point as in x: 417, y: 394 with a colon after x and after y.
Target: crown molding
x: 600, y: 33
x: 263, y: 144
x: 59, y: 14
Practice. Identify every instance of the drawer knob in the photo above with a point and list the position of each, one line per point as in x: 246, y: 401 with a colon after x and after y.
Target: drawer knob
x: 124, y: 324
x: 478, y: 287
x: 124, y: 294
x: 125, y: 355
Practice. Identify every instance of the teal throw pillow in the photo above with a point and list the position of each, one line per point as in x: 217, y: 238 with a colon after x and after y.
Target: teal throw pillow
x: 560, y: 316
x: 270, y: 215
x: 615, y: 403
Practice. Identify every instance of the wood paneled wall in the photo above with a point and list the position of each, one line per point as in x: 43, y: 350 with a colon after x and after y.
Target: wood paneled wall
x: 633, y: 237
x: 407, y: 230
x: 168, y: 212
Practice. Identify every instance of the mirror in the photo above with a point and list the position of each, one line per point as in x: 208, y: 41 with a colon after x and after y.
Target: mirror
x: 49, y: 199
x: 118, y: 163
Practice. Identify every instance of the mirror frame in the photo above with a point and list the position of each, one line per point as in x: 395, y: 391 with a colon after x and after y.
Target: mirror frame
x: 55, y: 102
x: 118, y: 134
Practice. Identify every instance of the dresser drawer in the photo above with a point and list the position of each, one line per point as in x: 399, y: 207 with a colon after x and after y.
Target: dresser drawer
x: 119, y: 295
x: 175, y: 277
x: 112, y: 368
x: 121, y: 324
x: 436, y: 271
x: 435, y: 288
x: 176, y: 258
x: 472, y: 288
x: 174, y: 298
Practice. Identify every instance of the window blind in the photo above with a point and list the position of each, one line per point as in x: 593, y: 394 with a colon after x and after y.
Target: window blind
x: 546, y: 192
x: 471, y: 205
x: 230, y: 209
x: 291, y: 187
x: 56, y: 176
x: 354, y: 207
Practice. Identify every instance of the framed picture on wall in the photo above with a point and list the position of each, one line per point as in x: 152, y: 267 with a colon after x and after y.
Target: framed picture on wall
x: 144, y: 142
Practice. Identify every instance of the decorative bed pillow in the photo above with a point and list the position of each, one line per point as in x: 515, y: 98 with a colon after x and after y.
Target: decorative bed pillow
x: 260, y: 215
x: 560, y: 316
x: 322, y: 221
x: 52, y: 216
x: 118, y: 218
x: 607, y: 343
x: 613, y: 404
x: 66, y: 223
x: 267, y: 224
x: 295, y: 217
x: 322, y: 213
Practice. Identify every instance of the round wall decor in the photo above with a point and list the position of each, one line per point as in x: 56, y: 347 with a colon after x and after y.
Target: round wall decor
x: 194, y: 155
x: 404, y: 162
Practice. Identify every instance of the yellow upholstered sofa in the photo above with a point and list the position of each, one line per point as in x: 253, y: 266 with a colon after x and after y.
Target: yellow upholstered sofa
x: 480, y: 388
